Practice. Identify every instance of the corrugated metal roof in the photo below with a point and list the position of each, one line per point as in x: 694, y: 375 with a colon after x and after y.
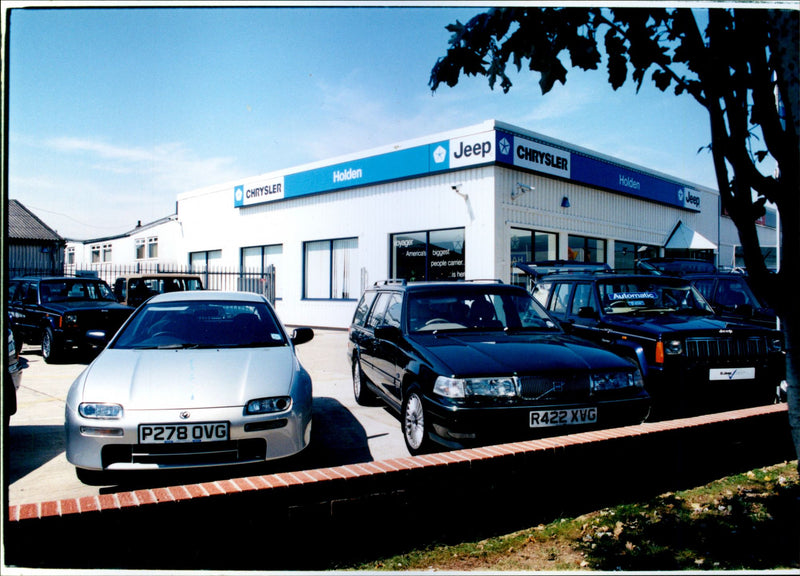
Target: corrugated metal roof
x: 25, y: 225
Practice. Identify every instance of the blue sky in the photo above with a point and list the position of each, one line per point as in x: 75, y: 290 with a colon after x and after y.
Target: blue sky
x: 114, y: 112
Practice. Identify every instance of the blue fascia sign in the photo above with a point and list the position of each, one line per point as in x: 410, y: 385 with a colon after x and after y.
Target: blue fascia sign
x: 487, y: 147
x: 537, y: 156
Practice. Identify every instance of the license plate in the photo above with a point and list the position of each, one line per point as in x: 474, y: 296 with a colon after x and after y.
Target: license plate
x: 566, y: 417
x: 732, y: 374
x: 174, y: 433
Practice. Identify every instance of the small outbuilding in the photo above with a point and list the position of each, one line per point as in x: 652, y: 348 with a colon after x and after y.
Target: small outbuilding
x: 33, y: 247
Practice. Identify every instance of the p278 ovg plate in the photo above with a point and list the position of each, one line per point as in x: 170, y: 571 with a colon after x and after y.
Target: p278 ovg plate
x: 174, y: 433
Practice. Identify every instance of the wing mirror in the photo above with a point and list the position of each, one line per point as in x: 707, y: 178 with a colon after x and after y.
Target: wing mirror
x: 302, y: 335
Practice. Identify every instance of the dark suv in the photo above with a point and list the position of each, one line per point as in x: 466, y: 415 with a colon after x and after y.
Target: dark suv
x: 728, y: 292
x: 693, y: 361
x: 467, y: 363
x: 64, y: 312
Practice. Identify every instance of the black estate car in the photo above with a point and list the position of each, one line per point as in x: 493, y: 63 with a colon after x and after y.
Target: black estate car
x: 64, y: 312
x: 693, y: 361
x: 468, y: 363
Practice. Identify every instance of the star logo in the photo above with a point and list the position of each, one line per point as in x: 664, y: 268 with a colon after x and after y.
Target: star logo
x: 505, y: 147
x: 440, y: 154
x: 238, y: 193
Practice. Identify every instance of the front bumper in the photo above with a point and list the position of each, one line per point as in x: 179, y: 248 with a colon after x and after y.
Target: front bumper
x: 461, y: 427
x: 114, y: 444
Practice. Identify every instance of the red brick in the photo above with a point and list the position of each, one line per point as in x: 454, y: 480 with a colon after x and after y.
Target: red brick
x: 69, y: 506
x: 107, y: 501
x: 162, y: 495
x: 127, y: 499
x: 28, y: 511
x: 196, y: 490
x: 88, y: 504
x: 243, y: 484
x: 13, y: 513
x: 212, y: 488
x: 145, y: 496
x: 50, y: 508
x: 228, y: 487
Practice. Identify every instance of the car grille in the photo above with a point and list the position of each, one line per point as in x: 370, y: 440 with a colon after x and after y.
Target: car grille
x: 553, y: 386
x: 726, y: 348
x: 109, y: 320
x: 187, y: 454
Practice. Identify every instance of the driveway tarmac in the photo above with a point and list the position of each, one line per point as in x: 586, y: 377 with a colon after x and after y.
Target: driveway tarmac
x: 342, y: 432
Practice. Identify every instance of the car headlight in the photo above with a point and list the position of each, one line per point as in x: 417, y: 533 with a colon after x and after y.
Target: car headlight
x: 100, y: 410
x: 500, y: 387
x: 776, y: 344
x: 601, y: 382
x: 70, y: 319
x: 268, y: 405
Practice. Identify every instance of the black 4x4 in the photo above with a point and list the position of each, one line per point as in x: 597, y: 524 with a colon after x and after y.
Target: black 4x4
x: 63, y: 312
x: 466, y: 363
x: 693, y: 362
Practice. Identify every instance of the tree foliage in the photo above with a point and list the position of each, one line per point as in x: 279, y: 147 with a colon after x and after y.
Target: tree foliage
x: 738, y: 62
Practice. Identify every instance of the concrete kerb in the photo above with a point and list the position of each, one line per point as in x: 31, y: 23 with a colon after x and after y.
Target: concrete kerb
x: 368, y: 502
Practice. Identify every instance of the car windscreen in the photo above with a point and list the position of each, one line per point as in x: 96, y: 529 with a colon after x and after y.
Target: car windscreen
x: 68, y: 290
x: 634, y: 295
x: 475, y: 309
x: 201, y: 324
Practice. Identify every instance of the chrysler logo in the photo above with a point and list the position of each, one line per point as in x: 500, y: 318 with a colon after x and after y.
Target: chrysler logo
x: 185, y: 415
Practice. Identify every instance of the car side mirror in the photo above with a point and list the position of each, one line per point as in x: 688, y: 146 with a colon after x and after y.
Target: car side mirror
x: 587, y: 312
x: 302, y: 335
x: 744, y: 309
x: 386, y: 332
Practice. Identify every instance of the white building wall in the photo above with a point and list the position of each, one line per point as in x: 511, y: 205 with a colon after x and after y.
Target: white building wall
x: 591, y: 213
x: 123, y: 247
x: 371, y: 214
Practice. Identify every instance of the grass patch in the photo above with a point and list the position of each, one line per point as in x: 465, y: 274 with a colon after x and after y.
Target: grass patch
x: 743, y: 522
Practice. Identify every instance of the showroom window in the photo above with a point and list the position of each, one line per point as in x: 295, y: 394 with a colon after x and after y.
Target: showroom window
x: 530, y: 246
x: 331, y: 269
x: 627, y: 253
x: 428, y: 255
x: 258, y: 259
x: 583, y: 249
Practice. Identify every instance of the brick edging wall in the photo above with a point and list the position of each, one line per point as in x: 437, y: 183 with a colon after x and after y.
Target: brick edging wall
x: 313, y: 519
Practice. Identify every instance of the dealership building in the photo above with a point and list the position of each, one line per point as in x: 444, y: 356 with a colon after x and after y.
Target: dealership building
x: 466, y: 204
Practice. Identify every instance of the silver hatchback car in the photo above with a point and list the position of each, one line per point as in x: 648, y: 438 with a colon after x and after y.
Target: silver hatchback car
x: 191, y: 379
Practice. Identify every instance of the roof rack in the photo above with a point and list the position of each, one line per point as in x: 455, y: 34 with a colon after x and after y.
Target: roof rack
x: 544, y: 267
x: 398, y: 281
x: 485, y: 280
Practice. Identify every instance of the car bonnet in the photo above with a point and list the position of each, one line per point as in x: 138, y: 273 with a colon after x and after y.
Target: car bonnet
x: 487, y: 353
x: 170, y: 379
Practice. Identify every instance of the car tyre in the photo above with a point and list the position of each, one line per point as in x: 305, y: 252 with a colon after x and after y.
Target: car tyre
x: 415, y: 424
x: 50, y: 351
x: 363, y: 395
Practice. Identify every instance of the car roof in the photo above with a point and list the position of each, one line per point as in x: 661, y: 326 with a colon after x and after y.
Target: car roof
x: 612, y: 277
x: 57, y: 278
x: 207, y: 296
x: 158, y: 275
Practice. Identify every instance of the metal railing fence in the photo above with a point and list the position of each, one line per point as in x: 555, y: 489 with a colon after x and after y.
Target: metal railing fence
x: 214, y: 278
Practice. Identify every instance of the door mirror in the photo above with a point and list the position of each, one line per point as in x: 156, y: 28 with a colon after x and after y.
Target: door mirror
x: 302, y: 335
